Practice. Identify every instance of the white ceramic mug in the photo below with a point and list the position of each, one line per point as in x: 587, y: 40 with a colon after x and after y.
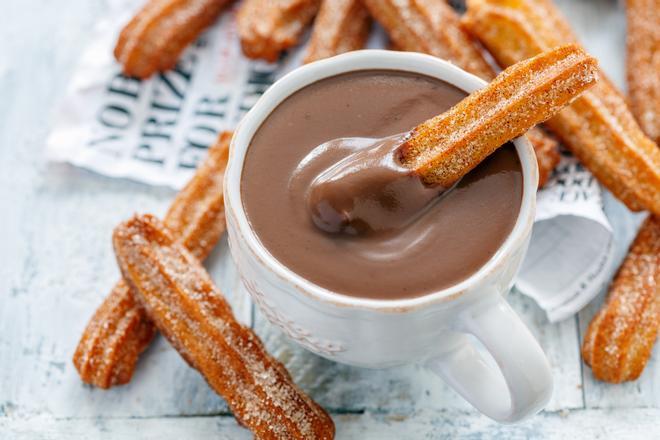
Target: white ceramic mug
x: 432, y: 329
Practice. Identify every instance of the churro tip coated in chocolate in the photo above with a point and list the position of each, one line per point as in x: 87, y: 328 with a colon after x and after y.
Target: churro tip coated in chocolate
x: 446, y: 147
x: 598, y: 128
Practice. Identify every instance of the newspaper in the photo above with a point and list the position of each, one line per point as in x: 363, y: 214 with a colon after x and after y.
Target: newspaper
x: 156, y: 131
x: 571, y: 253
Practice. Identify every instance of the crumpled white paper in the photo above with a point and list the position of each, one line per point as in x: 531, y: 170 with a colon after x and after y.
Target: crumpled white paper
x: 156, y: 131
x: 571, y: 253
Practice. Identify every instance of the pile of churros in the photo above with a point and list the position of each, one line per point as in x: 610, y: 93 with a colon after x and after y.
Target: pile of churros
x: 165, y: 288
x: 618, y: 149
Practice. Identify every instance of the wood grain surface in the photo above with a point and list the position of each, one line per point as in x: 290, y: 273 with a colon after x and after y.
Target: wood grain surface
x: 56, y: 260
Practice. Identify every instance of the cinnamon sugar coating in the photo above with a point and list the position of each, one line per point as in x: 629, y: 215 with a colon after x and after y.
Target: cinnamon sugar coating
x: 434, y: 28
x: 155, y: 37
x: 643, y: 64
x: 267, y: 27
x: 446, y: 147
x: 598, y: 127
x: 546, y: 149
x: 340, y: 26
x: 120, y: 330
x: 620, y: 338
x: 431, y: 27
x: 193, y: 315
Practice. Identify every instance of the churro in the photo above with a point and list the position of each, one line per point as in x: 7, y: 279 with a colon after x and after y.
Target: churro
x: 340, y: 26
x: 267, y: 27
x: 120, y: 330
x: 643, y: 64
x: 598, y: 127
x: 193, y: 315
x: 546, y: 149
x: 433, y: 27
x: 446, y: 147
x: 154, y: 39
x: 620, y: 337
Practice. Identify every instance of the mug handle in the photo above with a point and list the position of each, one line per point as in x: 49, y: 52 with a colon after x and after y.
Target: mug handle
x: 520, y: 387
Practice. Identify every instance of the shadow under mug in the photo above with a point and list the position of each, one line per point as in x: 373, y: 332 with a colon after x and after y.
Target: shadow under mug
x: 438, y: 330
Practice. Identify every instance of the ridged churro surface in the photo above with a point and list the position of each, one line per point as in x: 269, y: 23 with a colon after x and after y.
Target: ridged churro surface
x: 267, y: 27
x: 119, y: 330
x: 155, y: 37
x: 598, y: 127
x: 190, y: 311
x: 620, y: 338
x: 340, y: 26
x: 445, y: 148
x: 433, y: 27
x: 643, y: 64
x: 546, y: 149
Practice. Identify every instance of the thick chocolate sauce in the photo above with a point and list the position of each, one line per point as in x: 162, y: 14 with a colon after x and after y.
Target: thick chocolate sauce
x: 397, y: 238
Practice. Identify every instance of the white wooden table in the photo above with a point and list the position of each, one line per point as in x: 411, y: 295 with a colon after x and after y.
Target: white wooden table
x: 56, y: 263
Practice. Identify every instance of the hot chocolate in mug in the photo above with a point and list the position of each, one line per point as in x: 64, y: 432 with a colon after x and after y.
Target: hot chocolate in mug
x: 438, y: 329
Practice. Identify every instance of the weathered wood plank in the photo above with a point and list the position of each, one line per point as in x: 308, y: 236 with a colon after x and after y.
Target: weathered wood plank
x: 56, y: 264
x: 638, y: 424
x: 41, y: 351
x: 55, y: 248
x: 630, y: 424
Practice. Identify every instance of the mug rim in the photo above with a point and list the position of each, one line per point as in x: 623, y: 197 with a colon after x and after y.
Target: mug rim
x: 370, y: 59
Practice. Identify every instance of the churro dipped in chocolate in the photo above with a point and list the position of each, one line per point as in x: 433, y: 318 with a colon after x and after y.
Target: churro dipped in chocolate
x: 445, y: 148
x: 154, y: 39
x: 404, y: 173
x: 120, y: 330
x: 598, y: 127
x: 267, y: 27
x: 340, y: 26
x: 643, y: 64
x: 180, y: 298
x: 620, y: 338
x: 433, y: 27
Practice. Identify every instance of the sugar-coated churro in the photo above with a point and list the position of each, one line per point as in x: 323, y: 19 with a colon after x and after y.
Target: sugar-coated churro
x: 340, y: 26
x: 643, y: 64
x: 180, y: 298
x: 433, y: 27
x: 154, y: 39
x: 620, y: 338
x: 598, y: 127
x: 119, y: 330
x: 114, y: 337
x: 267, y: 27
x: 446, y: 147
x: 546, y: 149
